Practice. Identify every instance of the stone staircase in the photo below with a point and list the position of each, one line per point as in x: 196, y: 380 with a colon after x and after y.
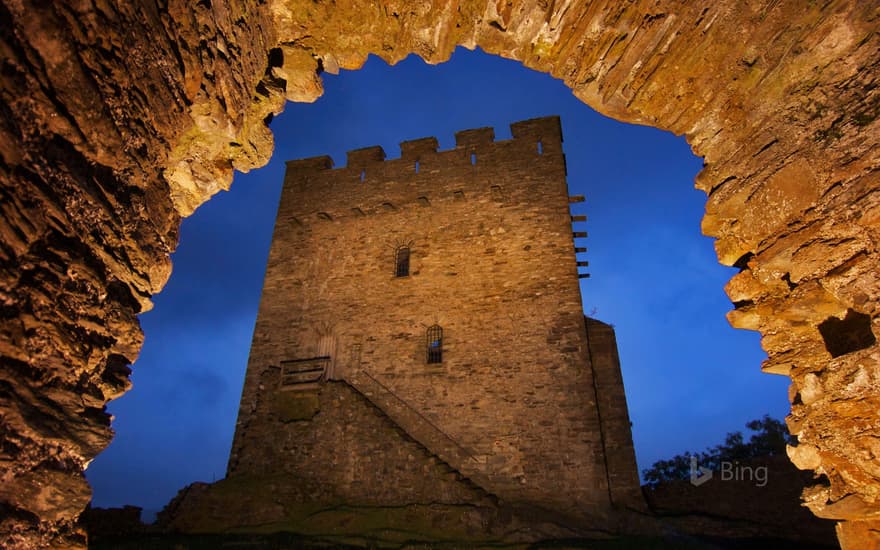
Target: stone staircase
x: 460, y: 461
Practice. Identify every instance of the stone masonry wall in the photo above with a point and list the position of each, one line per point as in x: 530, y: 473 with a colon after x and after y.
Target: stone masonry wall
x: 493, y: 263
x: 334, y: 447
x: 118, y: 118
x: 620, y: 457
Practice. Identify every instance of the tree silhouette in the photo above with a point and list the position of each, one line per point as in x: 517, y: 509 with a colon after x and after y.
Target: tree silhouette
x: 769, y: 439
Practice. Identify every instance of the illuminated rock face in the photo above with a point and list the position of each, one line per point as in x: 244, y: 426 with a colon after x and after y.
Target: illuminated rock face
x: 119, y: 119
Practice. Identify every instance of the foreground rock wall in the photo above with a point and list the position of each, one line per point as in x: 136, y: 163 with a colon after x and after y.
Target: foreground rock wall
x: 119, y: 118
x: 95, y: 101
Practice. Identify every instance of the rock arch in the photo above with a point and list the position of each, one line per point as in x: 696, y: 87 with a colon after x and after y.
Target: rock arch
x: 120, y: 118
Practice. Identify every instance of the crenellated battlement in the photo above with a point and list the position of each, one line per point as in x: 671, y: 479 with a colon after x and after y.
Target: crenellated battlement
x: 414, y: 149
x: 477, y: 136
x: 546, y: 130
x: 423, y: 175
x: 310, y: 164
x: 365, y: 156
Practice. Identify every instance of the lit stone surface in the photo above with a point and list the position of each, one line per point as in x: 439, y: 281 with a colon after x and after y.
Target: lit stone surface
x: 119, y: 119
x: 525, y: 401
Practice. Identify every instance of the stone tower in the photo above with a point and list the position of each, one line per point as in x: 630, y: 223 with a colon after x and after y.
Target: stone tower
x: 421, y: 337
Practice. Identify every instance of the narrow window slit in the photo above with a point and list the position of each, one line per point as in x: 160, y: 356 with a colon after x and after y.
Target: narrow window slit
x: 540, y: 147
x: 401, y: 262
x: 473, y: 158
x: 434, y: 343
x: 417, y: 167
x: 363, y: 174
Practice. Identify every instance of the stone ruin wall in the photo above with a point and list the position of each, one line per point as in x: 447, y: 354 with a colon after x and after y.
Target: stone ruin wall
x: 492, y: 261
x: 333, y: 447
x: 623, y: 475
x: 120, y: 118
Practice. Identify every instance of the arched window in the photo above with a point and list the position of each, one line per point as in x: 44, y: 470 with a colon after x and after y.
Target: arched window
x: 401, y: 262
x: 434, y: 344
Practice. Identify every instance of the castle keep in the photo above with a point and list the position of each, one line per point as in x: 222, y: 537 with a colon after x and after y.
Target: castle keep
x: 421, y: 337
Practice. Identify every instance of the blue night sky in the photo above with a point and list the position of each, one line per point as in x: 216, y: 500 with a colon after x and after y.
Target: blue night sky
x: 690, y: 378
